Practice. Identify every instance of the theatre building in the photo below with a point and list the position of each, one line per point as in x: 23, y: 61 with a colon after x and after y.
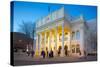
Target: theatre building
x: 57, y: 32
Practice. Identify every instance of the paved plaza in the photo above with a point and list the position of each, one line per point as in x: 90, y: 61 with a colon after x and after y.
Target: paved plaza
x: 23, y: 59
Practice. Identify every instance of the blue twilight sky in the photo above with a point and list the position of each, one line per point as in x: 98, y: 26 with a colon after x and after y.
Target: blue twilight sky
x: 32, y: 11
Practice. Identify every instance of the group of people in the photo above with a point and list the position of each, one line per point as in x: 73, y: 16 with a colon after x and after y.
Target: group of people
x: 30, y: 53
x: 43, y: 53
x: 47, y: 54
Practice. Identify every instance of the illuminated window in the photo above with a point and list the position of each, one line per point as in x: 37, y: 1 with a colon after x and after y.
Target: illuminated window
x: 77, y: 48
x: 73, y: 35
x: 73, y: 48
x: 66, y: 37
x: 60, y: 37
x: 66, y: 33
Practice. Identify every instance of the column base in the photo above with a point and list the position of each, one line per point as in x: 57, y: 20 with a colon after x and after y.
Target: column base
x: 55, y: 53
x: 37, y: 53
x: 82, y: 53
x: 62, y: 54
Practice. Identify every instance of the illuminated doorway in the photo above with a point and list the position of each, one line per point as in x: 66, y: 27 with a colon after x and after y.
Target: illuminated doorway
x: 75, y: 49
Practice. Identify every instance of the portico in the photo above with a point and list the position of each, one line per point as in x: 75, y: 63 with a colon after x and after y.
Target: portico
x: 53, y: 38
x: 59, y: 34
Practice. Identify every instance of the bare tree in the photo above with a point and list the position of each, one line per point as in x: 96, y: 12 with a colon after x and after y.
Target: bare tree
x: 27, y: 28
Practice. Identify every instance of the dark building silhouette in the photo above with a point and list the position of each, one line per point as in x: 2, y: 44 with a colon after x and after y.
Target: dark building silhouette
x: 21, y: 41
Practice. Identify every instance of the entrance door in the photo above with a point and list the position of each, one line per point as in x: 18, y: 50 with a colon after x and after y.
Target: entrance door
x: 75, y: 50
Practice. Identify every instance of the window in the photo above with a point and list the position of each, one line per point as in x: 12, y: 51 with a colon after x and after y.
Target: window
x: 77, y: 48
x: 66, y: 37
x: 73, y: 35
x: 77, y: 35
x: 66, y: 33
x: 73, y: 48
x: 60, y: 37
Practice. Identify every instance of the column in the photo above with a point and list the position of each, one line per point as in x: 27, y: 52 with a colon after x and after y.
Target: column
x: 36, y: 49
x: 69, y: 45
x: 49, y: 41
x: 82, y: 42
x: 56, y: 41
x: 62, y: 50
x: 39, y: 43
x: 71, y: 40
x: 45, y: 40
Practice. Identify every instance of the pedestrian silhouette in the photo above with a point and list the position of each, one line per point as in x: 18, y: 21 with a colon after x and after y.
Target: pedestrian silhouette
x: 43, y: 53
x: 51, y: 54
x: 32, y: 53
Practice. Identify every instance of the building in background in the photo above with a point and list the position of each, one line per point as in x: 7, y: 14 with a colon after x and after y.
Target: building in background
x: 21, y: 42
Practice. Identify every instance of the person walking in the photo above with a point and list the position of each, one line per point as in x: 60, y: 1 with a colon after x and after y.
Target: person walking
x: 43, y: 53
x: 51, y: 54
x: 32, y: 53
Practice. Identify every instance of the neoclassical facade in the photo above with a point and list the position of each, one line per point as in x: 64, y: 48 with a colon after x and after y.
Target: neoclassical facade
x: 56, y: 31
